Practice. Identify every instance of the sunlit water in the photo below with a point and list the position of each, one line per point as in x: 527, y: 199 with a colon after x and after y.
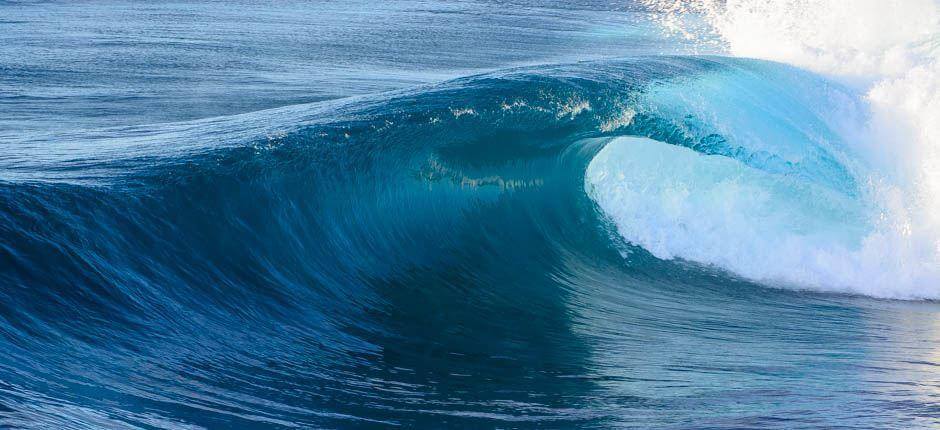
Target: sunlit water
x: 506, y: 214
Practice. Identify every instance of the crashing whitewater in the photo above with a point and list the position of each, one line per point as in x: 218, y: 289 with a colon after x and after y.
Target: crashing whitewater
x: 880, y: 120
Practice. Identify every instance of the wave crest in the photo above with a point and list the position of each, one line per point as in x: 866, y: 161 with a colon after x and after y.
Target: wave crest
x: 888, y: 53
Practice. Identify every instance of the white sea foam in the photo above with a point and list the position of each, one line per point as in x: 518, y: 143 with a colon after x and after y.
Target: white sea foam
x: 888, y: 51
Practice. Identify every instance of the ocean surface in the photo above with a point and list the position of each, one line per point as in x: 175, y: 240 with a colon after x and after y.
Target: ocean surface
x: 470, y: 214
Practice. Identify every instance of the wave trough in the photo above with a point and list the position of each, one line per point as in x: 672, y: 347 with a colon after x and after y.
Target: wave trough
x: 557, y: 245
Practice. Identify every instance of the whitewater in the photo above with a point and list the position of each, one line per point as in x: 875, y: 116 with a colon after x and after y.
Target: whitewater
x: 715, y: 214
x: 886, y: 131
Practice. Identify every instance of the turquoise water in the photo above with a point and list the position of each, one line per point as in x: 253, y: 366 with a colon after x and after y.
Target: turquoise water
x: 507, y: 214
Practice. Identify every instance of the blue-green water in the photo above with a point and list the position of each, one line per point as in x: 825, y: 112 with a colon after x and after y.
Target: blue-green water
x: 424, y: 214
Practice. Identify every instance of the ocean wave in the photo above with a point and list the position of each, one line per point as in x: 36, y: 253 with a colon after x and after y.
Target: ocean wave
x: 308, y: 240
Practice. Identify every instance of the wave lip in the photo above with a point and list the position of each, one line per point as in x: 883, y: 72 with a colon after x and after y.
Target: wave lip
x: 677, y: 203
x: 887, y: 52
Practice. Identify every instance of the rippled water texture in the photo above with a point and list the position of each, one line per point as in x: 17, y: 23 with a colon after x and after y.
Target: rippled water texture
x: 490, y: 214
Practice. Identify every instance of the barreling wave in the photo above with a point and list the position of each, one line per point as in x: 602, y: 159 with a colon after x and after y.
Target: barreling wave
x: 889, y: 52
x: 302, y: 242
x: 773, y: 183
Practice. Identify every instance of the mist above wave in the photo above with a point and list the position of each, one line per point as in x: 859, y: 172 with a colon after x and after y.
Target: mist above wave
x: 887, y: 52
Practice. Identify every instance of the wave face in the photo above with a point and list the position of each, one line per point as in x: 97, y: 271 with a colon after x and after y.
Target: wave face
x: 637, y: 242
x: 890, y: 54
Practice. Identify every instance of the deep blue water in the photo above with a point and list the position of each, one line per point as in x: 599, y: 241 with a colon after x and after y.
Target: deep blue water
x: 361, y: 215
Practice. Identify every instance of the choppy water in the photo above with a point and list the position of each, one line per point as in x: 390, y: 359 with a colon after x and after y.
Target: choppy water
x: 509, y: 214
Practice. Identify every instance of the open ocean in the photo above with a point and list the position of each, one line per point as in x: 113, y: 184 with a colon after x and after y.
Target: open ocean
x: 606, y: 214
